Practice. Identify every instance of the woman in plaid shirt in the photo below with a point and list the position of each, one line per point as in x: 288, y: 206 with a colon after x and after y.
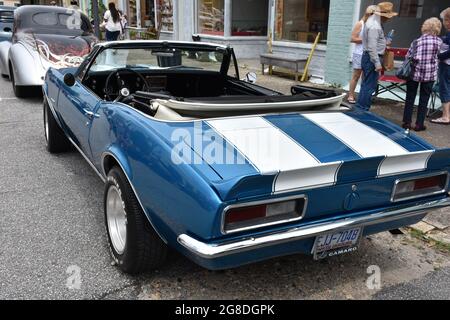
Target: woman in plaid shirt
x: 424, y: 51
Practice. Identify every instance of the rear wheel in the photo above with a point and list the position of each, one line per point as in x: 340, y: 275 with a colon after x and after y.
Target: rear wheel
x: 56, y: 140
x: 134, y: 244
x: 19, y: 91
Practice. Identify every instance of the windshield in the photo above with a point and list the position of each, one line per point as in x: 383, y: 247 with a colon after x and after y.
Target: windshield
x: 71, y: 24
x: 157, y: 58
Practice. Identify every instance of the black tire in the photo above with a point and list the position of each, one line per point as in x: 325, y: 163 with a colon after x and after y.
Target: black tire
x: 143, y: 249
x: 19, y: 91
x: 56, y: 140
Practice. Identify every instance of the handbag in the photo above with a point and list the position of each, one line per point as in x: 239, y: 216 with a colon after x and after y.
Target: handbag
x: 388, y: 60
x: 406, y: 71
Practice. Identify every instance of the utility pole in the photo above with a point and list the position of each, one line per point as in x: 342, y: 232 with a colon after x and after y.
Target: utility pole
x: 96, y: 18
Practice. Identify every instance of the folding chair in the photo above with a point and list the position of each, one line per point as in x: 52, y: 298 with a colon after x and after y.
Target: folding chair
x: 389, y: 82
x: 433, y: 101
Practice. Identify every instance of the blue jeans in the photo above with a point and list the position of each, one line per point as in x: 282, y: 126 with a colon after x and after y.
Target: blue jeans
x: 369, y: 83
x: 444, y: 82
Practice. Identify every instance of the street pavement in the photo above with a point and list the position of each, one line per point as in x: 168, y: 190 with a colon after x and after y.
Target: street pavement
x: 52, y: 235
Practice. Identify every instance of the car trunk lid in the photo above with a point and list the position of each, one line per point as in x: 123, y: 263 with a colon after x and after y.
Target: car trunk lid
x: 267, y: 155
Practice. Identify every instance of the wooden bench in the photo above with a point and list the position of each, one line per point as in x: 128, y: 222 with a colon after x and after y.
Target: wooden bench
x: 272, y: 60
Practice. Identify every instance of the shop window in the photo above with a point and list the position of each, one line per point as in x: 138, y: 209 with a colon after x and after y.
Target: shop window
x: 132, y: 17
x: 411, y: 8
x: 249, y: 18
x: 210, y: 17
x: 164, y: 9
x: 301, y: 20
x: 412, y: 13
x: 148, y: 14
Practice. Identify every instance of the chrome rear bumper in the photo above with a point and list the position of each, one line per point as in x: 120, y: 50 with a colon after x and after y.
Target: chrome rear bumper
x: 211, y: 251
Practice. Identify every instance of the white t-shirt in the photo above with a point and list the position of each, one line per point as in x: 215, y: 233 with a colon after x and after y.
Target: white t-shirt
x: 110, y: 24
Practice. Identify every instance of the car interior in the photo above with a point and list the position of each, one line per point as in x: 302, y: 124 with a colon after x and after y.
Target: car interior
x: 175, y: 92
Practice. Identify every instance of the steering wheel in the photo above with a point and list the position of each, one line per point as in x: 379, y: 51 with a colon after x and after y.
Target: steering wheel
x: 123, y: 88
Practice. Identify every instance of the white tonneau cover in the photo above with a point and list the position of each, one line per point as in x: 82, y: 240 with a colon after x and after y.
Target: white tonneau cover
x: 333, y: 102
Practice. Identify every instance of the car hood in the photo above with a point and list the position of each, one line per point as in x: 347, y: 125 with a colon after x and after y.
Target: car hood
x: 258, y: 155
x: 58, y: 51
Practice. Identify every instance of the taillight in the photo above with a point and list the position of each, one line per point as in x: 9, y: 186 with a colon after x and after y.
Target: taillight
x: 257, y: 215
x: 420, y: 187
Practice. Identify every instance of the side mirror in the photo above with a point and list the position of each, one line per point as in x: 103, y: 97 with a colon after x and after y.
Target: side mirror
x: 69, y: 79
x: 250, y: 77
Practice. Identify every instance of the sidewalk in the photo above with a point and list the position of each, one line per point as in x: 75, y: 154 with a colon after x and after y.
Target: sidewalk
x: 436, y: 226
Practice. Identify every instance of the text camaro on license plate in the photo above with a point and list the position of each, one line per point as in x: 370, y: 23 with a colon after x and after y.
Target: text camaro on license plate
x: 336, y: 243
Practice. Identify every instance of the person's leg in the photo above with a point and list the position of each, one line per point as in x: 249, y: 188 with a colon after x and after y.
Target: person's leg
x: 108, y: 35
x: 369, y: 84
x: 444, y: 92
x: 446, y: 111
x: 425, y: 92
x: 411, y: 92
x: 116, y: 35
x: 445, y: 96
x: 353, y: 83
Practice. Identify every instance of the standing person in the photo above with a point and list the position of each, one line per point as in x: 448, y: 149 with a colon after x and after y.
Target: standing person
x: 424, y: 52
x: 444, y: 72
x: 74, y: 5
x: 358, y: 51
x: 124, y: 22
x: 112, y: 23
x: 374, y: 43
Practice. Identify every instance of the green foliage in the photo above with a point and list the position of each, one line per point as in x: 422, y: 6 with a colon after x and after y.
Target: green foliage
x: 441, y: 246
x: 336, y: 85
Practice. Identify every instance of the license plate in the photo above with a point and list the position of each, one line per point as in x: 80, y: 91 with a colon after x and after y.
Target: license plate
x: 336, y: 243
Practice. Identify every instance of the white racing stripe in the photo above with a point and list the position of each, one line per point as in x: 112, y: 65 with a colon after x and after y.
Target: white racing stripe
x: 271, y: 151
x: 362, y: 139
x: 367, y: 142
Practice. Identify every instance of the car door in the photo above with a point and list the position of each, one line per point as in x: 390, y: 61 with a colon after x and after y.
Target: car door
x: 77, y: 106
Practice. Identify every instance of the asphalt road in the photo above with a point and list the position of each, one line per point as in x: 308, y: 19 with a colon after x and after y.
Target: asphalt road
x: 52, y: 233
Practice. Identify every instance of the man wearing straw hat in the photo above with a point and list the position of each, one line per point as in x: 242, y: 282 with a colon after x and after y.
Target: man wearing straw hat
x: 374, y: 43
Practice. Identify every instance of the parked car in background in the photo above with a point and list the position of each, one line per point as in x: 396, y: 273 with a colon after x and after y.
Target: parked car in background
x: 228, y: 172
x: 43, y: 37
x: 6, y: 22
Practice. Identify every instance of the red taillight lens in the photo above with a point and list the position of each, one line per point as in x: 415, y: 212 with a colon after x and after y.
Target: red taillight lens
x: 251, y: 217
x: 421, y: 187
x: 243, y: 214
x: 428, y: 183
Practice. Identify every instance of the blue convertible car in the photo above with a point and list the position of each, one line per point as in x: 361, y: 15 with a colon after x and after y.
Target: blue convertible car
x: 228, y: 172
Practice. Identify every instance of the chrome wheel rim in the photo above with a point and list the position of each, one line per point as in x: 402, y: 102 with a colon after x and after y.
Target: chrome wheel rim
x: 116, y: 219
x: 46, y: 123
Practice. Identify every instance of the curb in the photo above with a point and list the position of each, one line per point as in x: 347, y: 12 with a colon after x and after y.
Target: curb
x: 432, y: 232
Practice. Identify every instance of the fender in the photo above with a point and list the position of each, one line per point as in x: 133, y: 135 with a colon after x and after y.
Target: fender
x: 51, y: 106
x: 26, y: 65
x: 4, y: 57
x: 120, y: 158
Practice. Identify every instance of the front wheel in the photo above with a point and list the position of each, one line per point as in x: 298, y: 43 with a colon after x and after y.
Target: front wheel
x: 55, y: 138
x: 134, y: 244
